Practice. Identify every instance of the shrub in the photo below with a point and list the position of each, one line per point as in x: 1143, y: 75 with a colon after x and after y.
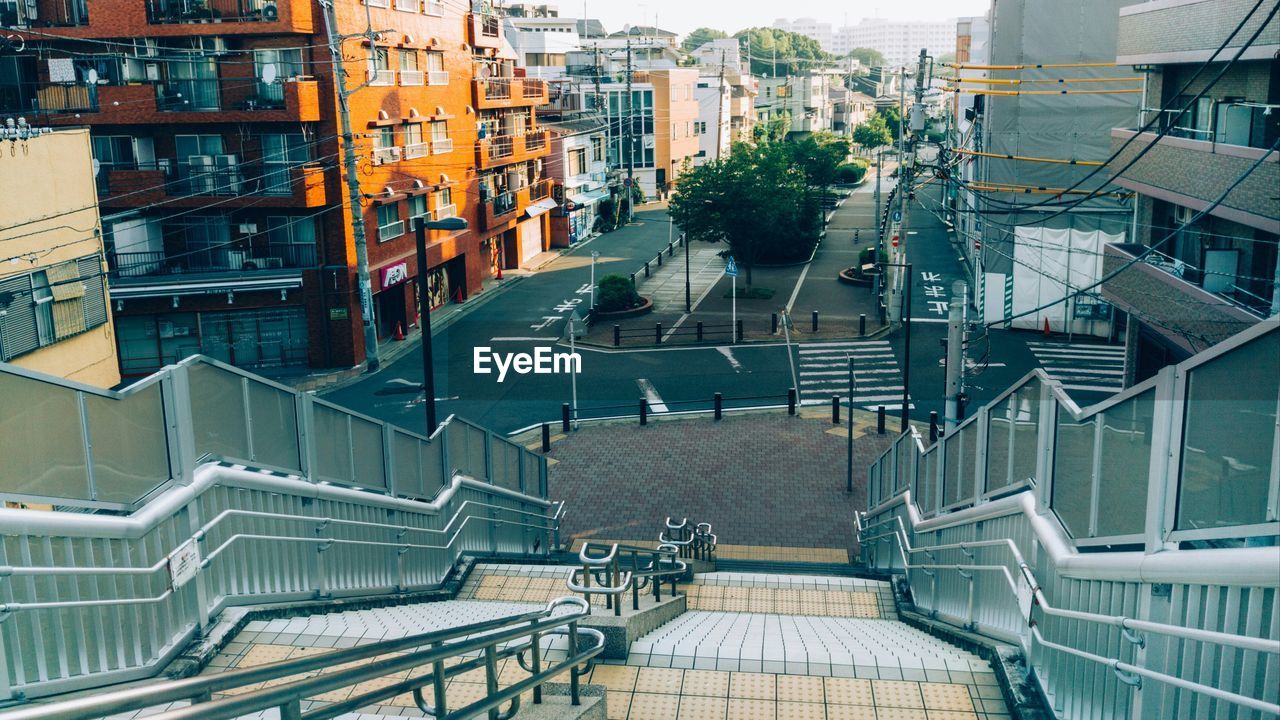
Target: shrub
x: 616, y: 294
x: 851, y: 173
x: 865, y: 255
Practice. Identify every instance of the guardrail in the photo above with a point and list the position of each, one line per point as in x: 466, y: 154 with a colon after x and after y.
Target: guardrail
x: 212, y: 489
x: 1129, y: 548
x: 644, y: 566
x: 694, y: 541
x: 290, y: 682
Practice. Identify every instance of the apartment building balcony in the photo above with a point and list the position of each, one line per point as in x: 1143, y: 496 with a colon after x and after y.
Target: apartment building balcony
x: 185, y: 183
x: 1195, y: 172
x: 45, y: 13
x: 507, y: 149
x: 1170, y: 296
x: 511, y: 205
x: 186, y: 101
x: 234, y: 16
x: 1183, y: 32
x: 492, y: 93
x: 484, y: 30
x: 247, y: 264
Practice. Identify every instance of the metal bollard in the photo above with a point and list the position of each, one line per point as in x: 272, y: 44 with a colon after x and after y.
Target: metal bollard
x: 699, y: 331
x: 933, y: 427
x: 739, y: 329
x: 719, y: 403
x: 644, y: 411
x: 659, y: 259
x: 815, y: 321
x: 633, y: 281
x: 880, y: 419
x: 671, y: 248
x: 564, y: 417
x: 791, y: 401
x: 617, y: 335
x: 546, y: 438
x: 862, y: 325
x: 657, y: 332
x: 773, y: 324
x: 646, y: 269
x: 835, y: 409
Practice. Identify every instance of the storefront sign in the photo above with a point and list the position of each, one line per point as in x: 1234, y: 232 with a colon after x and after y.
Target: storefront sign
x: 339, y: 313
x: 393, y: 275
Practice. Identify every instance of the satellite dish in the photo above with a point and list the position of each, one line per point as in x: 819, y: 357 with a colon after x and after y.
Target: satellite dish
x: 269, y: 73
x: 92, y: 77
x: 97, y: 167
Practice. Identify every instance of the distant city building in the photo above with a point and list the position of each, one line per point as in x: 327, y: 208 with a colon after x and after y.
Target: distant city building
x: 899, y: 41
x: 54, y: 315
x: 809, y: 27
x: 579, y: 168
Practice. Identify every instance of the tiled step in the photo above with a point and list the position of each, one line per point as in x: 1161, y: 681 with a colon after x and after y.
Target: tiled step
x: 802, y: 645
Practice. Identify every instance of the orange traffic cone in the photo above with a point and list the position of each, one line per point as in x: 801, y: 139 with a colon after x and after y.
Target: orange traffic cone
x: 499, y: 275
x: 399, y: 335
x: 1046, y: 327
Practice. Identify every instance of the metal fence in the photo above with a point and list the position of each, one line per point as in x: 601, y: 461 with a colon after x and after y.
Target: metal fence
x: 1129, y: 548
x: 214, y: 488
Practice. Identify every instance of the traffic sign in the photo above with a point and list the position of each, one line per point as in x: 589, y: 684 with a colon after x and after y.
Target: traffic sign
x: 731, y: 268
x: 897, y: 216
x: 626, y: 181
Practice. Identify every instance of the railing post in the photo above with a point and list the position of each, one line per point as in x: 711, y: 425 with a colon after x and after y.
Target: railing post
x: 617, y: 580
x: 491, y: 676
x: 646, y: 269
x: 437, y: 682
x: 535, y: 654
x: 862, y: 325
x: 564, y: 417
x: 617, y: 335
x: 573, y: 672
x: 657, y: 333
x: 546, y: 438
x: 659, y: 259
x: 880, y: 419
x: 933, y: 427
x: 835, y: 409
x: 179, y: 427
x: 791, y: 401
x: 773, y: 324
x: 671, y: 248
x: 815, y: 321
x: 719, y: 405
x: 699, y: 331
x: 644, y: 411
x: 739, y: 329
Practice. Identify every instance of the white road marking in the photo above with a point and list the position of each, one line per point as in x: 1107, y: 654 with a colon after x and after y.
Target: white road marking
x: 651, y: 394
x: 733, y: 361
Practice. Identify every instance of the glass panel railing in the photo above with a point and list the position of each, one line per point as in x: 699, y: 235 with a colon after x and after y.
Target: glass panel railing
x: 274, y: 421
x: 366, y: 444
x: 406, y: 450
x: 218, y: 412
x: 130, y: 450
x: 1124, y: 465
x: 42, y: 450
x: 1229, y: 437
x: 929, y: 481
x: 332, y: 443
x: 1073, y: 462
x: 1012, y: 435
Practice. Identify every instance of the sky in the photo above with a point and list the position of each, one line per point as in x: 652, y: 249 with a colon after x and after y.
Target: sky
x: 681, y: 16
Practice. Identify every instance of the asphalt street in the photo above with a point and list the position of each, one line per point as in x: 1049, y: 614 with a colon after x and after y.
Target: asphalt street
x: 532, y: 313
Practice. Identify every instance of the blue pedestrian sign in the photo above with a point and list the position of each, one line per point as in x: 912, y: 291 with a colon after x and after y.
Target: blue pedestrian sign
x: 897, y: 216
x: 731, y: 269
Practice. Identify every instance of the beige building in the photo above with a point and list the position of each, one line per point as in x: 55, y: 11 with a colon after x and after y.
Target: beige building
x: 54, y: 316
x: 675, y: 131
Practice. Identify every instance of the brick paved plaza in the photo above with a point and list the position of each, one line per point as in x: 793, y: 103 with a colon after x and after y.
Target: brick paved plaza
x: 764, y: 479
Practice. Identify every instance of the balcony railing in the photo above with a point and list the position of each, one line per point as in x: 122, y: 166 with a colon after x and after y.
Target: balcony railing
x: 1245, y: 124
x: 539, y: 190
x: 446, y: 211
x: 189, y: 95
x: 381, y: 78
x: 416, y: 150
x: 535, y: 140
x: 434, y: 8
x: 411, y: 78
x: 498, y: 88
x: 438, y: 77
x: 28, y: 97
x: 195, y: 11
x: 503, y: 203
x: 384, y: 155
x: 500, y: 147
x: 230, y: 259
x: 441, y: 146
x: 407, y: 5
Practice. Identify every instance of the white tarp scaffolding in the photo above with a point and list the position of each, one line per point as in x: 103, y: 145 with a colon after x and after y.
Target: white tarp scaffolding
x: 1049, y: 264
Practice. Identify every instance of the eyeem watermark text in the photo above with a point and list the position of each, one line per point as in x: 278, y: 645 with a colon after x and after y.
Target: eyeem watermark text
x: 543, y: 361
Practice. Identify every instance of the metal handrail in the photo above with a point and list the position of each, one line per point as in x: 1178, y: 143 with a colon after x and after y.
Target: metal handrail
x: 525, y: 628
x: 324, y: 543
x: 694, y: 540
x: 1129, y: 626
x: 646, y: 564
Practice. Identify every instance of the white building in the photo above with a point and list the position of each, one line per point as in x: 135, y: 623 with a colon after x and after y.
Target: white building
x: 578, y: 165
x: 714, y: 98
x: 806, y: 98
x: 809, y: 27
x: 898, y: 41
x: 542, y: 43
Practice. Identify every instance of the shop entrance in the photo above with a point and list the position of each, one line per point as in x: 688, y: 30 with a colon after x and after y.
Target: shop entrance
x: 391, y: 310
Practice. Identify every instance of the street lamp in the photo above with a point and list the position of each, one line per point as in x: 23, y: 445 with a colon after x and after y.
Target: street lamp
x: 594, y: 257
x: 421, y: 226
x: 906, y: 337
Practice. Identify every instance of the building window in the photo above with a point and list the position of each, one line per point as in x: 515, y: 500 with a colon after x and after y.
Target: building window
x: 577, y: 161
x: 280, y: 153
x: 385, y: 137
x: 444, y: 204
x: 418, y: 208
x: 50, y: 305
x: 597, y: 148
x: 390, y: 226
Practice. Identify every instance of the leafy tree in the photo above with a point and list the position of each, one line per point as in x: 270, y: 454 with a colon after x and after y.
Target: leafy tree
x: 818, y: 155
x: 757, y: 201
x: 852, y: 173
x: 700, y: 37
x: 868, y: 57
x: 793, y: 52
x: 892, y: 119
x: 873, y: 133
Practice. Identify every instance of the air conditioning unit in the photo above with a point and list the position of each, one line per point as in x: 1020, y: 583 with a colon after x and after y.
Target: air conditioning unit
x: 200, y: 174
x: 270, y: 12
x: 248, y: 228
x: 148, y: 48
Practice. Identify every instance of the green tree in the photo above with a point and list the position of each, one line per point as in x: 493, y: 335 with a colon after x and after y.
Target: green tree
x: 778, y: 53
x: 867, y: 56
x: 700, y: 37
x: 873, y: 133
x: 892, y: 120
x: 818, y: 155
x: 757, y: 201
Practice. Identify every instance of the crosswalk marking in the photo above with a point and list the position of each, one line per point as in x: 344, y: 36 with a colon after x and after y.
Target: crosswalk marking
x: 824, y: 372
x: 1080, y: 366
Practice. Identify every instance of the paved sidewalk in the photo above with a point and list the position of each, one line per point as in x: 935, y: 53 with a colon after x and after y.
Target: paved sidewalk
x: 765, y: 479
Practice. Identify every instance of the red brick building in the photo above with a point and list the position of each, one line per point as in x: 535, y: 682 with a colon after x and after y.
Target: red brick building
x: 224, y: 199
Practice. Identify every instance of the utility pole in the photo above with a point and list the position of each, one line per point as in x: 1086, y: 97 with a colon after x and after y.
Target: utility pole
x: 955, y: 355
x: 631, y: 148
x: 372, y: 361
x: 720, y: 111
x: 879, y: 227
